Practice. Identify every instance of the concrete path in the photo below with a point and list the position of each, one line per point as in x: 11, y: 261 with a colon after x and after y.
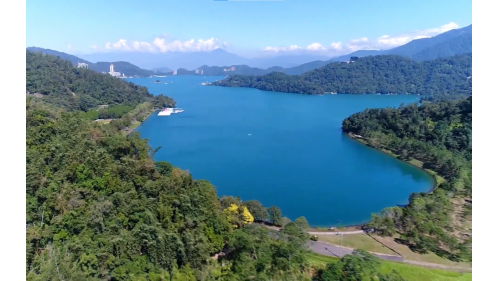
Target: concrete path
x: 336, y: 232
x: 337, y: 251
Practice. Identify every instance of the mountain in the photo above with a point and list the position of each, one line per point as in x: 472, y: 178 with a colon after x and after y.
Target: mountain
x: 455, y: 46
x: 162, y: 69
x: 443, y: 77
x: 175, y: 60
x: 102, y: 66
x: 450, y: 43
x: 285, y: 61
x: 58, y: 82
x: 359, y: 53
x: 447, y: 44
x: 123, y: 67
x: 206, y: 70
x: 73, y: 59
x: 436, y: 43
x: 192, y: 60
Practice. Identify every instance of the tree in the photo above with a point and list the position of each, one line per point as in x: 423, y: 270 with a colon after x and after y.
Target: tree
x: 256, y: 209
x: 384, y: 74
x: 360, y: 265
x: 164, y: 168
x: 285, y: 221
x: 302, y: 223
x: 238, y: 216
x: 227, y: 201
x: 392, y: 276
x: 274, y: 215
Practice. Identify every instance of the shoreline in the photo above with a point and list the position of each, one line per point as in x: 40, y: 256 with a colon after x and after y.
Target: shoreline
x: 140, y: 123
x: 433, y: 177
x: 360, y: 225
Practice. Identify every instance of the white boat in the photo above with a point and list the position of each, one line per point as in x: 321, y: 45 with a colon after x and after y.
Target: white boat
x: 168, y: 111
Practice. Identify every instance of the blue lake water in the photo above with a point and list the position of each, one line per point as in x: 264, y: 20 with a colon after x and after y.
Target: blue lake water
x: 282, y: 149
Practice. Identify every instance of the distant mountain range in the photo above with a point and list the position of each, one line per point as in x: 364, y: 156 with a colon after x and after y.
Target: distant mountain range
x: 119, y: 66
x: 447, y: 44
x: 442, y: 78
x: 192, y: 60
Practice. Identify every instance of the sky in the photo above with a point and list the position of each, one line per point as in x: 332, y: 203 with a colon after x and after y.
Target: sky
x: 248, y: 28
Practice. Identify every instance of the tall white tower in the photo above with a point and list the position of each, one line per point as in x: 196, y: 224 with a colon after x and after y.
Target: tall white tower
x: 111, y: 68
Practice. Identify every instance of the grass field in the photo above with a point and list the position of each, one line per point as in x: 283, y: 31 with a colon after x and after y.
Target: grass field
x: 365, y: 242
x: 410, y: 255
x: 410, y: 272
x: 357, y: 241
x: 104, y: 121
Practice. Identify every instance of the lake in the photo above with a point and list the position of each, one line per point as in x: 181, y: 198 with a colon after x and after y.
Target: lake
x: 282, y: 149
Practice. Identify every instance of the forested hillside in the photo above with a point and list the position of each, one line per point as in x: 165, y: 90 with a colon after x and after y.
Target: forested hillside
x: 440, y: 78
x: 458, y: 45
x: 99, y: 207
x: 102, y: 66
x: 438, y: 137
x: 57, y: 82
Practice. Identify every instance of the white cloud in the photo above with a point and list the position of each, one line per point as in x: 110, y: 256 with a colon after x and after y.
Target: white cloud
x: 421, y: 36
x: 165, y: 43
x: 187, y: 46
x: 119, y: 45
x: 281, y: 49
x: 389, y: 42
x: 393, y: 41
x: 160, y: 44
x: 364, y: 39
x: 69, y: 47
x: 315, y: 47
x: 142, y: 46
x: 336, y: 46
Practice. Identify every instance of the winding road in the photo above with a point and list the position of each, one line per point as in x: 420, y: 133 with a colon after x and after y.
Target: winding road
x: 336, y: 232
x: 327, y: 249
x: 337, y: 251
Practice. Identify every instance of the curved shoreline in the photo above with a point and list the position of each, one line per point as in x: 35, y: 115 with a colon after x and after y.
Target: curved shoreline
x: 433, y: 177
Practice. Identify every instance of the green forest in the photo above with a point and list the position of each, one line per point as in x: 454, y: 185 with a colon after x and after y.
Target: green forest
x: 438, y: 138
x: 57, y: 82
x: 443, y: 78
x: 99, y: 207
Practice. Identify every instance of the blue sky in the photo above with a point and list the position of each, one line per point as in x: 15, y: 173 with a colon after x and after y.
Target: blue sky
x: 246, y: 28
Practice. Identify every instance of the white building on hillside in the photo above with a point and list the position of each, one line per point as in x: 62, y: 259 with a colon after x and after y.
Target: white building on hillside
x: 112, y: 71
x: 82, y: 65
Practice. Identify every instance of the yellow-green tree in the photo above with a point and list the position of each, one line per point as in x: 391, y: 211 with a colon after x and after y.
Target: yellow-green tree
x: 247, y: 217
x: 238, y: 216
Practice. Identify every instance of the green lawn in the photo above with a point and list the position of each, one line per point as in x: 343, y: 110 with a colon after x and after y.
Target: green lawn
x: 410, y: 255
x: 104, y: 121
x: 410, y: 272
x: 357, y: 241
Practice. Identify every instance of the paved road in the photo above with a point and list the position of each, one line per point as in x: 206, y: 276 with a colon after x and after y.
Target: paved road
x: 336, y: 232
x: 336, y: 251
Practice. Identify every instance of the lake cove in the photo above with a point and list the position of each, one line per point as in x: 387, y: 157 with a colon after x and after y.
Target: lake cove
x: 282, y: 149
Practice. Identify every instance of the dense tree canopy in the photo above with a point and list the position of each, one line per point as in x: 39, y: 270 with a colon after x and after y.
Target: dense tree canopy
x: 444, y: 77
x: 98, y: 206
x: 438, y: 135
